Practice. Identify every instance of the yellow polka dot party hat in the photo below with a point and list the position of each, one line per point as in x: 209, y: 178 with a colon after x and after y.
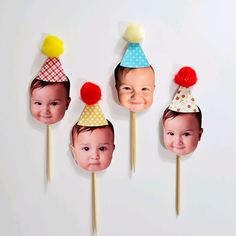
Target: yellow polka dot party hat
x: 92, y: 114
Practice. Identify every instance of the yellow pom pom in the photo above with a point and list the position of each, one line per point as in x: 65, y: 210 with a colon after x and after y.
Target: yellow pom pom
x: 134, y: 33
x: 52, y: 46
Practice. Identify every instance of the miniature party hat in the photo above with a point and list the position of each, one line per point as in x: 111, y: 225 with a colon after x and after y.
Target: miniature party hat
x: 92, y: 114
x: 183, y: 100
x: 52, y: 70
x: 134, y: 56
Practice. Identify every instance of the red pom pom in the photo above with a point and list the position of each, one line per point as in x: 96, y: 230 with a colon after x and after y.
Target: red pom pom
x: 90, y: 93
x: 186, y: 77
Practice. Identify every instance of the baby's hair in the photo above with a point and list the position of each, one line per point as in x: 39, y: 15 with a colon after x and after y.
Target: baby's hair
x: 120, y: 70
x: 169, y: 114
x: 77, y: 129
x: 36, y: 83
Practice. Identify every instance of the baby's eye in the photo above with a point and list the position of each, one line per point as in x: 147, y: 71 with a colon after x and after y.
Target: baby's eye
x: 170, y: 133
x: 85, y: 149
x: 186, y: 134
x: 103, y: 148
x: 145, y: 89
x: 38, y: 103
x: 54, y: 103
x: 124, y: 87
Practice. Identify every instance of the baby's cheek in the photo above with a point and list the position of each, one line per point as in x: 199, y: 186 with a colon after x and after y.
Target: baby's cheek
x: 169, y: 141
x: 195, y: 143
x: 148, y: 99
x: 123, y: 99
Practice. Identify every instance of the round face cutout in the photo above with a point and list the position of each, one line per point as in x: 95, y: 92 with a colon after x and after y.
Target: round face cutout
x: 49, y: 103
x: 135, y: 88
x: 93, y: 149
x: 182, y: 133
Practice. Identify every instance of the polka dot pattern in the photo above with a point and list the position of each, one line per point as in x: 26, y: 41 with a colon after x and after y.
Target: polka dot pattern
x: 92, y: 116
x: 183, y: 101
x: 134, y: 57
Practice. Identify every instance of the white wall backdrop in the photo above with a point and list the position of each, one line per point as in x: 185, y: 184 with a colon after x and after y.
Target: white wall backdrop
x: 197, y: 33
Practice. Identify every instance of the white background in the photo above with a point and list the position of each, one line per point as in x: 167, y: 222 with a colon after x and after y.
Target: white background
x: 197, y: 33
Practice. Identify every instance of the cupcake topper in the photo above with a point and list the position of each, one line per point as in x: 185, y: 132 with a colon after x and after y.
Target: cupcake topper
x: 49, y: 91
x: 182, y: 122
x: 92, y: 139
x: 135, y: 80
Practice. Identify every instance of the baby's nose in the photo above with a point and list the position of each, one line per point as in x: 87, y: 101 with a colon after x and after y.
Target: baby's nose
x: 95, y: 155
x: 179, y: 139
x: 46, y: 109
x: 135, y: 94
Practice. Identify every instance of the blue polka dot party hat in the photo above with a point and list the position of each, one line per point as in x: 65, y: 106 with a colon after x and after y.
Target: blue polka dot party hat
x: 134, y: 56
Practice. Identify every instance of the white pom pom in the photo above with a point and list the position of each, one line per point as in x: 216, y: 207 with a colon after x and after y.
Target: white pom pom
x: 134, y: 33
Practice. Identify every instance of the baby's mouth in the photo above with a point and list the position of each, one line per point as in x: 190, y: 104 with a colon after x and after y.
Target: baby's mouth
x: 94, y: 163
x: 46, y: 117
x: 180, y: 147
x: 135, y: 102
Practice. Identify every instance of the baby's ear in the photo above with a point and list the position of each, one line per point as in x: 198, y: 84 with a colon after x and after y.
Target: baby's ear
x: 72, y: 149
x: 200, y: 134
x: 68, y: 103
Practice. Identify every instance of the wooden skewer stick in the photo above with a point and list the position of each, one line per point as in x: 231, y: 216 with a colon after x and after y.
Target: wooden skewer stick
x: 133, y: 140
x: 49, y: 154
x: 177, y: 184
x: 94, y: 203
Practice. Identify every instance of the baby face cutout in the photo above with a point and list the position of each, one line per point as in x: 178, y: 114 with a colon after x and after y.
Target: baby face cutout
x: 135, y: 88
x: 182, y: 133
x: 49, y: 103
x: 93, y: 149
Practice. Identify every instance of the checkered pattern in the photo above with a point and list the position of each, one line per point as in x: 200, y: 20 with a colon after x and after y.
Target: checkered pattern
x: 52, y: 71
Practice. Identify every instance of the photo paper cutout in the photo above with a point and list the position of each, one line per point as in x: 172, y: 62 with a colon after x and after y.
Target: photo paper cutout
x: 50, y: 90
x: 134, y: 81
x: 181, y: 131
x: 182, y: 120
x: 93, y: 135
x: 134, y: 76
x: 182, y: 124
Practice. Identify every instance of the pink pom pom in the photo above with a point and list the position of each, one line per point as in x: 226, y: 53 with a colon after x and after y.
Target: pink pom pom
x: 186, y: 77
x: 90, y: 93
